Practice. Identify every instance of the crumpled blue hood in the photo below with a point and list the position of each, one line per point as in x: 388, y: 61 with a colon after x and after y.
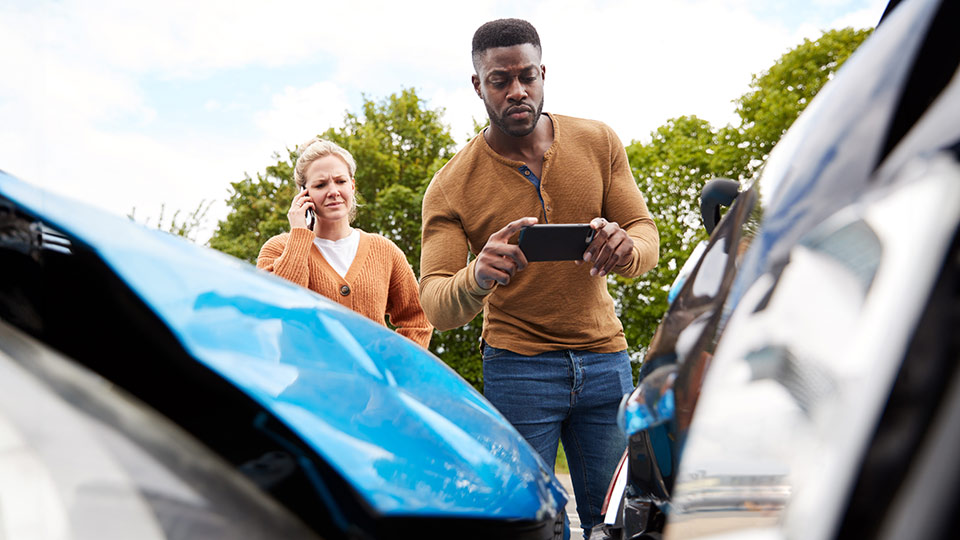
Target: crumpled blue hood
x: 402, y: 427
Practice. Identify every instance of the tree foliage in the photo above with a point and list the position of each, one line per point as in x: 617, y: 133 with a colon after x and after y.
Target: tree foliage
x: 399, y: 144
x: 258, y: 210
x: 778, y: 95
x: 670, y: 170
x: 686, y: 152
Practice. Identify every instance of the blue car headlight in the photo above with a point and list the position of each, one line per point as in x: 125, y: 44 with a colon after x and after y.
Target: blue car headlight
x: 652, y: 404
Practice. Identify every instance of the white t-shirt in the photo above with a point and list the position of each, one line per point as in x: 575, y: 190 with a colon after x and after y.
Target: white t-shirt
x: 339, y: 253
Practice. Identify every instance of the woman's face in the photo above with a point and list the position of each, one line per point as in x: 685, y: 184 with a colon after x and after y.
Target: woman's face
x: 330, y: 187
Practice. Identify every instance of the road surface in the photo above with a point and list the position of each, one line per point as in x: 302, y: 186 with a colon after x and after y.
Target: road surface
x: 576, y: 533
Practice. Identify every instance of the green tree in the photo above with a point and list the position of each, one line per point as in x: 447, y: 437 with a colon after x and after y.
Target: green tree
x: 398, y: 144
x: 257, y: 210
x: 671, y: 169
x: 686, y: 152
x: 779, y: 94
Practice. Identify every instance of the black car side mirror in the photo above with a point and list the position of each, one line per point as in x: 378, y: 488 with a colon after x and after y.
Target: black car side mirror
x: 716, y: 193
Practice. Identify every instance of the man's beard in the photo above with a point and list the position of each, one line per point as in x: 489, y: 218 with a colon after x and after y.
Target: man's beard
x: 516, y: 131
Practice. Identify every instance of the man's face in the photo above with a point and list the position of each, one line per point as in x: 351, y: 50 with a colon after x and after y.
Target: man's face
x: 510, y: 82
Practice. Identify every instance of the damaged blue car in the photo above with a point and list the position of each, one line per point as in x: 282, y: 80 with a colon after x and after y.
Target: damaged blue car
x: 152, y: 388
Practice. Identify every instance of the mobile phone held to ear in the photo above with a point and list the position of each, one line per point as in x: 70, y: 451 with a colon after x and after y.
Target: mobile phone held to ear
x: 311, y: 219
x: 560, y: 242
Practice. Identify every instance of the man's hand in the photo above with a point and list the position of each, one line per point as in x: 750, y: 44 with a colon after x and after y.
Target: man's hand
x: 611, y: 247
x: 498, y: 261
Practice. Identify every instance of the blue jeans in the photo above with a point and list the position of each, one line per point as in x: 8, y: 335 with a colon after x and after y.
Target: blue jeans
x: 570, y: 396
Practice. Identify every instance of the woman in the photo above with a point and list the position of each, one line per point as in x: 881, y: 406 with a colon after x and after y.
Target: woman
x: 362, y: 271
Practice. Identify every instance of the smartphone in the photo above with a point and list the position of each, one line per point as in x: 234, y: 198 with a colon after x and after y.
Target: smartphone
x: 311, y: 219
x: 309, y: 215
x: 549, y: 242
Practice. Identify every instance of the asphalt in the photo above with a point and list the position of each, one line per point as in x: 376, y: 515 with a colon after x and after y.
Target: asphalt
x: 576, y: 533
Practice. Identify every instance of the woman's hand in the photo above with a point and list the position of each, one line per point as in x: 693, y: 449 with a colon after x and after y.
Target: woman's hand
x: 298, y: 209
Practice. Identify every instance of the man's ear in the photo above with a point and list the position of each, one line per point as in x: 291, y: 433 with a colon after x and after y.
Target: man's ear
x: 475, y: 79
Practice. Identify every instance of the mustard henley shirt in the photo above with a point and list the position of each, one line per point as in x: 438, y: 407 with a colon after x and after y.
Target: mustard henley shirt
x: 550, y: 305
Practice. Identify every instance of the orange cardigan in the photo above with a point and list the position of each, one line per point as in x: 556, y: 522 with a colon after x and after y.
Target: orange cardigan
x: 379, y: 282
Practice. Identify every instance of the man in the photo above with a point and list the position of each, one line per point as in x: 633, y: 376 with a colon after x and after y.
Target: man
x: 554, y: 353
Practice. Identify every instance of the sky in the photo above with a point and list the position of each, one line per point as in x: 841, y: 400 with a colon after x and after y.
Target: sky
x: 148, y: 105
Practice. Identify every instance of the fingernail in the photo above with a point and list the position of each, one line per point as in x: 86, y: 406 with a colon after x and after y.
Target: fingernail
x: 586, y: 256
x: 593, y: 271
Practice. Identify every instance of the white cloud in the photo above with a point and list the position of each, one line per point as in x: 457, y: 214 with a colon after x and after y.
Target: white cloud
x: 80, y: 111
x: 186, y: 38
x: 635, y: 65
x: 865, y: 17
x: 300, y: 113
x: 462, y: 109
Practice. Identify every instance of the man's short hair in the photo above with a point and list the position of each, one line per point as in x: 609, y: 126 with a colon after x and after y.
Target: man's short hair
x: 503, y: 33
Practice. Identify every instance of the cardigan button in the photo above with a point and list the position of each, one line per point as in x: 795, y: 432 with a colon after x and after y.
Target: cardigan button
x: 344, y: 290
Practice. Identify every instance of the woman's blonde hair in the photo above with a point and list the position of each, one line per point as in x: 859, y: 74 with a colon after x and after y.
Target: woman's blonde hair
x: 315, y: 149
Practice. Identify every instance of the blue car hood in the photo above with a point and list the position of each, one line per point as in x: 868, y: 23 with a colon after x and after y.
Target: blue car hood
x: 403, y: 428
